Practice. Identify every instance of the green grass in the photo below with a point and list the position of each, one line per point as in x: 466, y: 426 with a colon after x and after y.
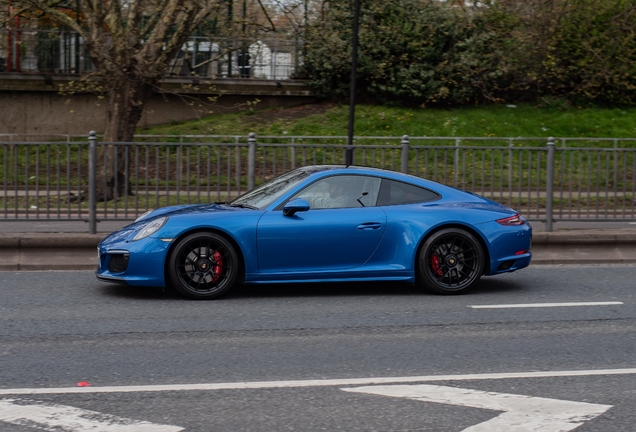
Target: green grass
x: 489, y: 121
x: 477, y: 168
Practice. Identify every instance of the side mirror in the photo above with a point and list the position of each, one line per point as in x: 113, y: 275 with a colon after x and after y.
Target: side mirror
x: 295, y: 205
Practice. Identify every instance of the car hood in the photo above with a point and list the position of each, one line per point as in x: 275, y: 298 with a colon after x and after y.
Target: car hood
x: 189, y: 209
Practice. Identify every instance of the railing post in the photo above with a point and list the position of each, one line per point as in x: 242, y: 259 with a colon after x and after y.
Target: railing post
x: 405, y: 154
x: 92, y: 176
x: 510, y: 181
x: 293, y: 153
x: 251, y: 161
x: 456, y: 162
x: 549, y: 191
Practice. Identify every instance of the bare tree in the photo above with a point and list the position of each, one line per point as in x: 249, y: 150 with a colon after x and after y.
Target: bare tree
x: 130, y: 43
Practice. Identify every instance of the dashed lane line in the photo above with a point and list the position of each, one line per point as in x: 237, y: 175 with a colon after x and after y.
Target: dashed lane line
x: 542, y: 305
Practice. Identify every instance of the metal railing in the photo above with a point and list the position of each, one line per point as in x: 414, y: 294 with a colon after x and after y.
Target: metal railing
x: 63, y: 52
x: 546, y: 180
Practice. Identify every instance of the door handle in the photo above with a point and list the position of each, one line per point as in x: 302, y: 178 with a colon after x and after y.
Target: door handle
x: 370, y: 226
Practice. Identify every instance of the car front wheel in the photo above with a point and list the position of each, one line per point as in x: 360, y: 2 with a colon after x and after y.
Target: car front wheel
x: 451, y: 261
x: 203, y: 266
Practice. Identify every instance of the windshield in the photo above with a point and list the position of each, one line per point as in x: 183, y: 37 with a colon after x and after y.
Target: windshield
x: 267, y: 193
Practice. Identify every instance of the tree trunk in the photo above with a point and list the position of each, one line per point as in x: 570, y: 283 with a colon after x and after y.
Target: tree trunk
x: 125, y: 107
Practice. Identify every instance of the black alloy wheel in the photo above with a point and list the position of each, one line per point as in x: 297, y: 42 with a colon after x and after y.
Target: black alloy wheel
x: 203, y: 266
x: 451, y: 261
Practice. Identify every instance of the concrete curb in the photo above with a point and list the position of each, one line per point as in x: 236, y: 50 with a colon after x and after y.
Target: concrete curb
x: 49, y: 240
x: 77, y: 251
x: 584, y: 247
x: 573, y: 237
x: 48, y: 251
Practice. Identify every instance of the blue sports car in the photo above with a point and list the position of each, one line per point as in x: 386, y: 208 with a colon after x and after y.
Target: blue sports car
x: 322, y: 224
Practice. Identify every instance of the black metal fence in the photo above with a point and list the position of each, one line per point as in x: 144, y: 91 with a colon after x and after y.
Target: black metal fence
x: 546, y: 180
x: 63, y: 52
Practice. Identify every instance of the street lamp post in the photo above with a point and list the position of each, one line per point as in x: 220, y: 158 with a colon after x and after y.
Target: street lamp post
x: 352, y: 96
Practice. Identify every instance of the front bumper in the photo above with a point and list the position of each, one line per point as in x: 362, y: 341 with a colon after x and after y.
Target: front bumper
x: 110, y: 279
x: 144, y: 265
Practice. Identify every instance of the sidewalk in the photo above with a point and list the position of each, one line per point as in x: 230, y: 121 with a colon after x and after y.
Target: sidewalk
x: 78, y: 250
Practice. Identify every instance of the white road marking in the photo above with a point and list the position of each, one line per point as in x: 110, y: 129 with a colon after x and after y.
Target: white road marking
x: 60, y: 418
x: 312, y: 383
x: 521, y: 413
x: 540, y: 305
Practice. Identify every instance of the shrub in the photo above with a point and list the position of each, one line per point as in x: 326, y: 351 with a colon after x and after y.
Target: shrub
x: 427, y: 52
x: 411, y: 50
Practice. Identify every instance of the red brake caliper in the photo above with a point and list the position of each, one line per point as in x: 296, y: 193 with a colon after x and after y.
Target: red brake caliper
x: 435, y: 263
x: 218, y: 266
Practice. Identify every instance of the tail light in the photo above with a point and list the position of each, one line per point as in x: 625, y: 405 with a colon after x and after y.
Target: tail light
x: 512, y: 220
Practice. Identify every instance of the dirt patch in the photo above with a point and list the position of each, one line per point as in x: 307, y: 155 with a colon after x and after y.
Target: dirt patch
x: 286, y: 114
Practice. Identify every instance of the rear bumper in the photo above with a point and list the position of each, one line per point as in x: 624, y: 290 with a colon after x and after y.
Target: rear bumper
x: 512, y: 263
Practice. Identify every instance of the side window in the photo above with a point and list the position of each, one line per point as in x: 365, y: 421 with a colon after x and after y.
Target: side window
x: 342, y: 191
x: 395, y: 193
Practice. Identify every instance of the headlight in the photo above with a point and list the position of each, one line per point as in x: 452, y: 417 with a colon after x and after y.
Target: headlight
x: 144, y: 215
x: 150, y: 228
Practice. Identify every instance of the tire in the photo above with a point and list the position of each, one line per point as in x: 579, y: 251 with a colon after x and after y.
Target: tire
x: 203, y: 266
x: 451, y: 261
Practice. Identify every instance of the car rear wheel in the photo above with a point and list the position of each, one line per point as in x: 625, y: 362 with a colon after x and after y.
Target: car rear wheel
x: 203, y: 266
x: 451, y: 261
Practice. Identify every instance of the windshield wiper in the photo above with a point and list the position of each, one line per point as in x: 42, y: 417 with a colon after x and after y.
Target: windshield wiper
x: 244, y: 206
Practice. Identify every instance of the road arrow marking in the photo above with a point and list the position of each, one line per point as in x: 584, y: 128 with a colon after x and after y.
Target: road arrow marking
x: 521, y: 413
x: 60, y: 418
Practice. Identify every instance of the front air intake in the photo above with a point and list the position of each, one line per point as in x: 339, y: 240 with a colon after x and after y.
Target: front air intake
x: 118, y: 263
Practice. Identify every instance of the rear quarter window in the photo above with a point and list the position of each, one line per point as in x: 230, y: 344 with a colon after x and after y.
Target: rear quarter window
x: 395, y: 193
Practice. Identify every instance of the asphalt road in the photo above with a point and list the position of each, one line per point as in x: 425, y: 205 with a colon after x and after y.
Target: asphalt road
x: 59, y: 329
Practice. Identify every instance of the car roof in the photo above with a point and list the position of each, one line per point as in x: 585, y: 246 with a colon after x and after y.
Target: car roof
x: 318, y: 171
x: 448, y: 192
x: 350, y: 169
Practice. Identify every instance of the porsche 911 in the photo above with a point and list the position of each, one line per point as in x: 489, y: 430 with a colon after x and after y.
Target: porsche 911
x: 323, y: 223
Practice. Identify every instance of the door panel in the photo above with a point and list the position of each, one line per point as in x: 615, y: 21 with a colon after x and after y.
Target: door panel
x: 319, y: 239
